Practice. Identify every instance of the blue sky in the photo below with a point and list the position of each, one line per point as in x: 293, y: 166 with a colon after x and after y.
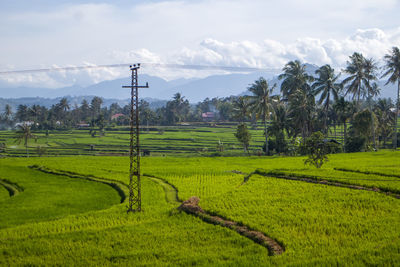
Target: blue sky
x: 37, y: 34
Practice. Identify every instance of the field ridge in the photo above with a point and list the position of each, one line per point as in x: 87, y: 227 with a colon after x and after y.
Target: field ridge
x: 191, y: 207
x: 320, y: 180
x: 119, y: 186
x: 12, y: 188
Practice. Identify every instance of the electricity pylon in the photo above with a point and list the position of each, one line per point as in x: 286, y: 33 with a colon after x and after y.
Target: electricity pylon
x: 135, y: 196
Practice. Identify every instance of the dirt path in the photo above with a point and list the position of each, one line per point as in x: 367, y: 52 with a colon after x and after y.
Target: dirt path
x: 119, y: 186
x: 12, y: 188
x: 191, y: 206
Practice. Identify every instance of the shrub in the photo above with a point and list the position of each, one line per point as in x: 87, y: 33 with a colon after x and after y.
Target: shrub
x: 355, y: 143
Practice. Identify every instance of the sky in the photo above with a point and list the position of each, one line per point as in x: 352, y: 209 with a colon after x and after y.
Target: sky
x: 242, y: 33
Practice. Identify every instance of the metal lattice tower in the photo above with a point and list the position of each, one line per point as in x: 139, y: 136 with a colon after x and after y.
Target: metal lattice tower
x: 135, y: 198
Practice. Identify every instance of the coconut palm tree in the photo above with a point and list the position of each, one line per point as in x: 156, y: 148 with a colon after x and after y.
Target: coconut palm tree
x: 8, y: 114
x: 240, y: 109
x: 301, y: 113
x: 294, y: 78
x: 326, y: 85
x: 261, y: 103
x: 345, y: 111
x: 370, y: 69
x: 385, y: 118
x: 392, y: 66
x: 279, y: 124
x: 354, y: 82
x: 24, y: 134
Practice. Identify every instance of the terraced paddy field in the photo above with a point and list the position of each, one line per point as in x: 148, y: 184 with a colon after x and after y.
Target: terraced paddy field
x: 189, y: 140
x: 68, y: 211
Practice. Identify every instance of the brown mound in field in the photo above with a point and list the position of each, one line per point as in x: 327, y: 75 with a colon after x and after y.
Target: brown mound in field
x: 192, y: 206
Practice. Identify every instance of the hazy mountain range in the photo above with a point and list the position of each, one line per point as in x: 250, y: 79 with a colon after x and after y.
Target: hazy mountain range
x: 159, y: 90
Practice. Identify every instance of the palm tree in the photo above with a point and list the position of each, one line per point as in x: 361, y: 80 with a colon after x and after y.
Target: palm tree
x: 261, y: 103
x: 370, y: 69
x: 301, y: 113
x: 279, y: 124
x: 8, y: 113
x: 240, y: 108
x: 294, y: 78
x: 326, y: 85
x: 393, y: 69
x: 385, y: 118
x: 344, y: 110
x: 354, y: 83
x: 24, y: 134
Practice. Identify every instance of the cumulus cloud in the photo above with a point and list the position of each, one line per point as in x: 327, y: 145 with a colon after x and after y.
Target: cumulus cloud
x: 268, y: 54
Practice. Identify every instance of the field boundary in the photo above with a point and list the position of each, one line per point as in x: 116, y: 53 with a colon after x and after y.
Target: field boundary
x: 12, y: 188
x: 367, y: 172
x: 191, y: 207
x: 119, y: 186
x: 320, y: 180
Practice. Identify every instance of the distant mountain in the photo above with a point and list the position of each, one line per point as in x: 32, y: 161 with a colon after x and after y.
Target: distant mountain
x: 194, y: 90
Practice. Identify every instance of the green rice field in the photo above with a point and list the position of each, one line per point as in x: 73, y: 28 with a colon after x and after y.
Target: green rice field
x: 64, y: 211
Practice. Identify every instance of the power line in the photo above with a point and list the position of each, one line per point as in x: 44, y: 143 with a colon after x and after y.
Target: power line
x: 160, y: 65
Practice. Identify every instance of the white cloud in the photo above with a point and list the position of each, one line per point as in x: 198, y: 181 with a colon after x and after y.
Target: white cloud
x: 257, y: 33
x: 268, y: 54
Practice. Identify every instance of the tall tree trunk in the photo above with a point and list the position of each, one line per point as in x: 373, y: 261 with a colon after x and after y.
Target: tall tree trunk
x: 373, y: 126
x: 334, y: 128
x: 396, y: 117
x: 344, y: 136
x: 266, y: 136
x: 26, y: 146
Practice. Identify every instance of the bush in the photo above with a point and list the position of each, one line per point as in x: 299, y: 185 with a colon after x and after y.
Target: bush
x: 317, y: 148
x: 355, y: 143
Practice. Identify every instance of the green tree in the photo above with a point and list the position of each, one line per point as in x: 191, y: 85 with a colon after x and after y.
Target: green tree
x: 22, y: 113
x: 279, y: 124
x: 392, y: 66
x: 243, y: 136
x: 8, y: 114
x: 261, y: 103
x: 362, y: 124
x: 371, y: 68
x: 241, y: 109
x: 344, y: 110
x: 317, y: 149
x: 326, y: 86
x: 296, y: 89
x: 385, y: 117
x: 95, y: 106
x: 177, y: 110
x: 295, y: 78
x: 354, y: 83
x: 24, y: 134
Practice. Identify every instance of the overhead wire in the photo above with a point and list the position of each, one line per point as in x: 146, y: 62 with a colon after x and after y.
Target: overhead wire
x: 160, y: 65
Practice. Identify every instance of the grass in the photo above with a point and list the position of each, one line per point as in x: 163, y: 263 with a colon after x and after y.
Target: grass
x: 317, y: 224
x: 165, y: 140
x: 47, y: 197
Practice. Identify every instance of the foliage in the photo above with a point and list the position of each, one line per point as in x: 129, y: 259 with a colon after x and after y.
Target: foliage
x: 317, y: 148
x: 355, y: 143
x: 243, y: 136
x: 392, y: 66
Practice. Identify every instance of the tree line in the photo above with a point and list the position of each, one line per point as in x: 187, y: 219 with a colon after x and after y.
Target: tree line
x: 306, y: 104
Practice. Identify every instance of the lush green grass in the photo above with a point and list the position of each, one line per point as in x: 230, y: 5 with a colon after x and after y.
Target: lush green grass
x: 317, y: 224
x: 48, y: 197
x: 167, y: 140
x: 157, y: 236
x: 4, y: 195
